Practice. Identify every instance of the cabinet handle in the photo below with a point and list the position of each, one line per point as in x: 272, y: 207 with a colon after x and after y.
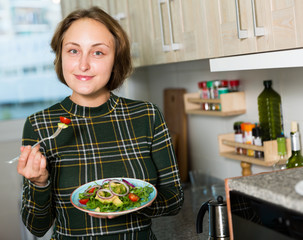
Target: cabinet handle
x: 165, y: 47
x: 242, y: 34
x: 259, y: 31
x: 119, y: 16
x: 175, y: 46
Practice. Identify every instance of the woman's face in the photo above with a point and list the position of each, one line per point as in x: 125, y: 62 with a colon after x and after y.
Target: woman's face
x: 88, y: 53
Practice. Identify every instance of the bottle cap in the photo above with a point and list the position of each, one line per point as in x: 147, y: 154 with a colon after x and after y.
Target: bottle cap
x: 294, y: 127
x: 256, y: 132
x: 267, y: 83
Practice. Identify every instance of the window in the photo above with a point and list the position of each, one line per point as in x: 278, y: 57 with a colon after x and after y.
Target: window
x: 28, y: 82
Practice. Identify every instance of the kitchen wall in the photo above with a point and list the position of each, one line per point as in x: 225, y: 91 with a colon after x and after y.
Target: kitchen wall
x: 148, y: 84
x: 204, y: 130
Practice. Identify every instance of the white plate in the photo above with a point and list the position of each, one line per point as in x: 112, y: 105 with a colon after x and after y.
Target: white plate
x: 299, y: 187
x: 74, y: 198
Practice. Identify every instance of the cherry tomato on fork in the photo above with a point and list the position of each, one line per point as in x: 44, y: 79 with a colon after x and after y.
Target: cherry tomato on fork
x: 65, y: 120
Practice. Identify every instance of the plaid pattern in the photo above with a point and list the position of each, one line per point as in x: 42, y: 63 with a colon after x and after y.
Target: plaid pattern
x: 121, y: 138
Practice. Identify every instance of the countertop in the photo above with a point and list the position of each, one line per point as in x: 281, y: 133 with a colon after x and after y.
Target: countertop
x: 277, y: 187
x: 183, y: 225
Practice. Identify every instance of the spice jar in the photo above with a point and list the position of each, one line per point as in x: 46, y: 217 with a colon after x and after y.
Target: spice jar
x: 244, y: 150
x: 234, y: 85
x: 216, y: 85
x: 238, y: 136
x: 211, y: 95
x: 203, y: 92
x: 257, y: 140
x: 249, y: 138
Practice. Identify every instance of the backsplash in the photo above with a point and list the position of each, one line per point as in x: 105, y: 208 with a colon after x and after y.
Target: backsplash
x: 203, y: 130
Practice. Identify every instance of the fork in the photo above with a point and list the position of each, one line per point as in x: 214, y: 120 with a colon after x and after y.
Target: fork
x: 59, y: 129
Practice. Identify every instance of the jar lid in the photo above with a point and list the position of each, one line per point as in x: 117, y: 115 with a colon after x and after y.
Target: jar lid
x: 249, y: 127
x: 217, y: 83
x: 224, y: 83
x: 209, y: 84
x: 234, y: 83
x: 202, y: 84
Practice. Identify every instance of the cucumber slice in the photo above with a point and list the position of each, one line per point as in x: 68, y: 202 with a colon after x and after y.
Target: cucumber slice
x: 62, y: 125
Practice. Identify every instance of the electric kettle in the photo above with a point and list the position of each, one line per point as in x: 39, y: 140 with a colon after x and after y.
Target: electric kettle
x: 218, y: 221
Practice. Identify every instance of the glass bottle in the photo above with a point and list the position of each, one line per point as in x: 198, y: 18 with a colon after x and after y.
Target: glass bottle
x: 270, y: 112
x: 296, y: 159
x: 281, y: 163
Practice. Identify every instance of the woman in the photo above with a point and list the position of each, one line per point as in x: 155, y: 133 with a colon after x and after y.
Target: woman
x: 108, y: 136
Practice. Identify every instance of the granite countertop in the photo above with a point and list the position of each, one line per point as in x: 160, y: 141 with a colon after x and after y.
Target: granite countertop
x: 183, y: 225
x: 277, y: 187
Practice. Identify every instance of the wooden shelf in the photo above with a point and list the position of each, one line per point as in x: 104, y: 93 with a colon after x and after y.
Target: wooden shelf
x: 227, y: 147
x: 231, y: 104
x: 257, y: 161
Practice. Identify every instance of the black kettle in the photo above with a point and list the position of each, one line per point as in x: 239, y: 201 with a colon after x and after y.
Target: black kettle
x: 218, y: 221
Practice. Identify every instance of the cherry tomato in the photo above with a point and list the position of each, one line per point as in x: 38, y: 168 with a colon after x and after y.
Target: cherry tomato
x: 83, y: 201
x: 133, y: 197
x: 65, y: 120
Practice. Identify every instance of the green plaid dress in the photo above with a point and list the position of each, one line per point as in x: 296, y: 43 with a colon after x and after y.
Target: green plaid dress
x: 121, y: 138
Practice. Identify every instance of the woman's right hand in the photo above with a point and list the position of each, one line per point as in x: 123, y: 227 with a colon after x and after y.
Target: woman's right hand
x: 32, y: 165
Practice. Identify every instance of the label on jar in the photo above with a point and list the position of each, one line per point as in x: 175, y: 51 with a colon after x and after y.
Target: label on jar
x: 238, y: 138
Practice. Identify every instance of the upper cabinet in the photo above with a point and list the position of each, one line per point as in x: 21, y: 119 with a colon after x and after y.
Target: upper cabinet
x: 167, y: 31
x: 250, y: 26
x: 177, y: 30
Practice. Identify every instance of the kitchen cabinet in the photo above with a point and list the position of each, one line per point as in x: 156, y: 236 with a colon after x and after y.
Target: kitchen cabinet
x: 178, y: 31
x: 68, y: 6
x: 249, y: 26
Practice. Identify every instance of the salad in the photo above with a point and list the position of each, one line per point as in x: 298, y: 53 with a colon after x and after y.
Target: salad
x: 114, y: 195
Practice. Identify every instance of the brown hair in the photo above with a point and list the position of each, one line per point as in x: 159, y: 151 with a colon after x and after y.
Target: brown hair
x: 122, y: 67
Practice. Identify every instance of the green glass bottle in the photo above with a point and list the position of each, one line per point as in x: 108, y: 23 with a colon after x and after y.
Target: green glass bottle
x: 270, y: 112
x: 296, y: 159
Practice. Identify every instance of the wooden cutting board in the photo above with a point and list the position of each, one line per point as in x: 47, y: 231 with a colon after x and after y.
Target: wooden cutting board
x: 176, y: 120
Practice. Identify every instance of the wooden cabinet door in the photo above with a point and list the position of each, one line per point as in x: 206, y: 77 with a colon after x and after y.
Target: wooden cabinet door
x: 236, y: 25
x: 139, y: 32
x: 287, y: 23
x: 160, y: 27
x: 191, y: 32
x: 68, y: 6
x: 119, y: 11
x: 103, y: 4
x: 250, y: 26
